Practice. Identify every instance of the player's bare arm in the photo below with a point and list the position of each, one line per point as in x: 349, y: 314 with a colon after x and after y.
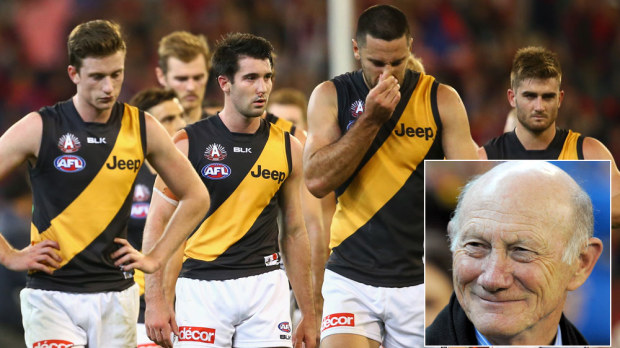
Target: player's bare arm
x: 595, y: 150
x: 21, y: 142
x: 296, y: 251
x: 159, y: 287
x: 456, y: 138
x: 179, y: 175
x: 329, y: 158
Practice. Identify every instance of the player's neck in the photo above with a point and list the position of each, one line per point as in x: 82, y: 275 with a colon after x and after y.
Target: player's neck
x: 88, y: 113
x: 237, y: 122
x: 535, y: 141
x: 192, y: 116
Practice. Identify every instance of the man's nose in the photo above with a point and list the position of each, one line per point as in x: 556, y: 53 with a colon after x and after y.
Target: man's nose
x: 496, y: 272
x: 108, y: 86
x: 538, y: 104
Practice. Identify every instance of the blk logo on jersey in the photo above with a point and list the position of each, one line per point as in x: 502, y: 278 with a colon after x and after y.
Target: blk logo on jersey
x: 337, y: 319
x: 197, y: 334
x: 53, y: 344
x: 411, y: 132
x: 242, y: 149
x: 215, y: 152
x: 69, y: 163
x: 92, y: 140
x: 215, y: 171
x: 272, y: 260
x: 284, y: 326
x: 69, y: 143
x: 357, y: 108
x: 268, y: 174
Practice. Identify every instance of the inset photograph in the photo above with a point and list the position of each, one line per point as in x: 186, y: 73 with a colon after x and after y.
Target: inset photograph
x: 517, y: 253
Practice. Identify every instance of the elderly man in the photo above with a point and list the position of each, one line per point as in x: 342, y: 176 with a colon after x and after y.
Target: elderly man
x: 521, y: 238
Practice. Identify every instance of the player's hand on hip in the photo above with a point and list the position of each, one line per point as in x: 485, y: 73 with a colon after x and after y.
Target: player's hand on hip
x: 160, y: 323
x: 128, y: 258
x: 306, y: 334
x: 42, y: 257
x: 382, y: 99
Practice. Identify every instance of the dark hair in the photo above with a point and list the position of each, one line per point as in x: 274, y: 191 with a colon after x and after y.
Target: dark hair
x: 97, y: 38
x: 383, y: 22
x: 147, y: 98
x: 184, y: 46
x: 233, y: 46
x: 534, y: 62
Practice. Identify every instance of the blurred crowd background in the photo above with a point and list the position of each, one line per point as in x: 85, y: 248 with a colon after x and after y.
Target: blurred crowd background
x: 466, y: 44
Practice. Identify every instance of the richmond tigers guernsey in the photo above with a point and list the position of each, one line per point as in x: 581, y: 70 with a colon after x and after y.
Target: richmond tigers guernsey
x: 377, y: 232
x: 286, y: 125
x: 566, y: 145
x: 243, y: 173
x: 82, y: 185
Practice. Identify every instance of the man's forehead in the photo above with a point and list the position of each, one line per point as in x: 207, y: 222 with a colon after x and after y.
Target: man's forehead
x: 535, y: 84
x: 195, y: 65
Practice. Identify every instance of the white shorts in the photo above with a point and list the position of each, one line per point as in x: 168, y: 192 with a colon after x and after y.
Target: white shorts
x: 143, y: 339
x: 63, y: 319
x: 391, y: 316
x: 245, y: 312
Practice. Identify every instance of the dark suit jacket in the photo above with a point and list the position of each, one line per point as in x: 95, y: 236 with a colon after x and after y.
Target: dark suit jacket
x: 452, y: 327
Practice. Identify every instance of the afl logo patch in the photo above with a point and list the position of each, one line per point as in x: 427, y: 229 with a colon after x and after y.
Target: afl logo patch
x: 69, y: 143
x: 69, y: 163
x: 284, y: 326
x: 215, y: 152
x: 215, y: 171
x: 357, y: 108
x: 139, y: 210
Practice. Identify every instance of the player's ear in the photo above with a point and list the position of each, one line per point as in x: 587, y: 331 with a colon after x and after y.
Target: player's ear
x: 356, y: 50
x: 511, y: 97
x: 74, y: 74
x: 224, y: 83
x: 161, y: 78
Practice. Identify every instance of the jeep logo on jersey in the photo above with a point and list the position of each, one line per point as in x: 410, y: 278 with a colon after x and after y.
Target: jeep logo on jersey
x: 53, y: 344
x: 124, y: 164
x: 69, y: 163
x: 268, y: 174
x: 357, y: 108
x: 141, y: 193
x: 411, y: 132
x: 197, y: 334
x: 215, y: 171
x: 284, y: 326
x: 337, y: 319
x: 139, y: 210
x: 215, y: 152
x: 69, y: 143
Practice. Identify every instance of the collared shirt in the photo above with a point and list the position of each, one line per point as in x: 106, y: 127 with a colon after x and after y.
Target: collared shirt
x: 483, y: 341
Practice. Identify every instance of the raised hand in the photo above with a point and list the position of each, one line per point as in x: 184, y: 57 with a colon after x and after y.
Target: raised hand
x: 382, y: 99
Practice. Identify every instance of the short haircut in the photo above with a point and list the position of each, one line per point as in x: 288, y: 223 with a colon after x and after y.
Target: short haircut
x: 534, y: 62
x: 383, y: 22
x: 96, y: 38
x: 290, y: 96
x: 183, y: 46
x: 147, y: 98
x: 582, y: 221
x: 234, y: 46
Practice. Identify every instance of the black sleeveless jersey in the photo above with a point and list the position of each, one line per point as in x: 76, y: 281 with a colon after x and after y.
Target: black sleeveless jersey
x: 566, y: 145
x: 82, y: 186
x: 377, y: 232
x: 243, y: 173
